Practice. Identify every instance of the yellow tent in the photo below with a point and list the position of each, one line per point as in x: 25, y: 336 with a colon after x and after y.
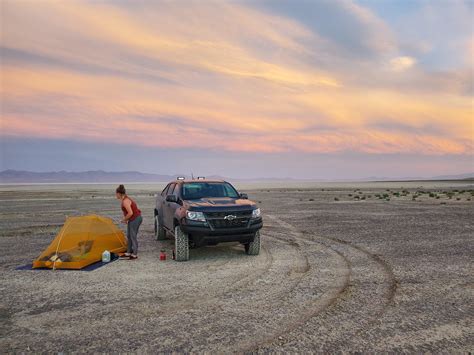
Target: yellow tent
x: 81, y: 242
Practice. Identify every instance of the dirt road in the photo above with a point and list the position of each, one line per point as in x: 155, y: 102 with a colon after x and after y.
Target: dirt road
x: 336, y: 273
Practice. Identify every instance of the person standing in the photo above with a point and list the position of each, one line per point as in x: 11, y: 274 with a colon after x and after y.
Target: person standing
x: 132, y: 216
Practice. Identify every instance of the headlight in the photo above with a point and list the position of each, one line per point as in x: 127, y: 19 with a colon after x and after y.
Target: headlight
x: 256, y: 213
x: 195, y: 216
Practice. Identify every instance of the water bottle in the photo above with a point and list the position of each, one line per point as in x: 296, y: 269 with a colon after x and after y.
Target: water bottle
x: 106, y: 256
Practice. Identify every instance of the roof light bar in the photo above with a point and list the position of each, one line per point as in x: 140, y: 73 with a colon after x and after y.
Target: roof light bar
x: 180, y: 178
x: 201, y: 178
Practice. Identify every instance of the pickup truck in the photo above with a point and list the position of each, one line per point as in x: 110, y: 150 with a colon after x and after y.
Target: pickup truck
x: 206, y: 212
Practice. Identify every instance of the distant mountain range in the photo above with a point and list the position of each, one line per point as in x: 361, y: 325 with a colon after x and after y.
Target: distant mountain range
x: 99, y: 176
x: 16, y: 176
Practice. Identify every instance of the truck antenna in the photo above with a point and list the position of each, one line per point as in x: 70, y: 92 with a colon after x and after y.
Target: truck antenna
x: 192, y: 176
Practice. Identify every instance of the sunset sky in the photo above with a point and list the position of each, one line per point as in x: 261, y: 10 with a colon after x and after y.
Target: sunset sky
x: 305, y: 89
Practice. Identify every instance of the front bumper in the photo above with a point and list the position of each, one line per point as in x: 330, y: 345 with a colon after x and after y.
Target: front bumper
x: 200, y: 233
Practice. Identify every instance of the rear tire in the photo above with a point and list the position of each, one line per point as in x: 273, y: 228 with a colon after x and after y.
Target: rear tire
x: 181, y: 245
x: 160, y: 233
x: 253, y: 248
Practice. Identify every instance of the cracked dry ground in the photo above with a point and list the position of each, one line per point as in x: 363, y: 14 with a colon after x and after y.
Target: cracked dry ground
x: 345, y: 275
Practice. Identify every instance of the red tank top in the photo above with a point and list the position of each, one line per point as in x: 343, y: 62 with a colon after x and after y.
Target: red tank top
x: 135, y: 210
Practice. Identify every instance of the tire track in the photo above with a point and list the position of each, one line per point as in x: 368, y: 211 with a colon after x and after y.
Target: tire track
x: 335, y: 244
x: 313, y: 308
x: 239, y: 285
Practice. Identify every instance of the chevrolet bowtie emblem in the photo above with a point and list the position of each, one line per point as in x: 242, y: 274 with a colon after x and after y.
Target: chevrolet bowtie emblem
x: 230, y: 217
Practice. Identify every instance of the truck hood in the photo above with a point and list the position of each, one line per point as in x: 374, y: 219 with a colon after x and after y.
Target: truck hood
x: 224, y: 202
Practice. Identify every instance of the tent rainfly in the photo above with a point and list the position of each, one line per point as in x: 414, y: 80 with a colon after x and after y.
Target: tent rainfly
x: 81, y: 242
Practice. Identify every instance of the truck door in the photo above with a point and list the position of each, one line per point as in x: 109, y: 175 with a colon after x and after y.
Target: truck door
x: 169, y: 208
x: 160, y: 203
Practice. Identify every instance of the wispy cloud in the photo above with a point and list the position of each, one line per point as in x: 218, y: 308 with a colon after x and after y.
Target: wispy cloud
x: 265, y: 77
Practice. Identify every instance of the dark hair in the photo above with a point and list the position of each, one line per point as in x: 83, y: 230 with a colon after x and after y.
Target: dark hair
x: 120, y: 190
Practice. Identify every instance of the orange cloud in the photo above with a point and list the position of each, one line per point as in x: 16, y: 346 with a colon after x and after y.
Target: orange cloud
x: 216, y: 76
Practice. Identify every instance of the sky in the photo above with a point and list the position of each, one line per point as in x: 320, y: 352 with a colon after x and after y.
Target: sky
x: 265, y: 88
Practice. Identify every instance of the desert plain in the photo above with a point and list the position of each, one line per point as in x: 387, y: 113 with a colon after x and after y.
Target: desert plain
x: 376, y: 266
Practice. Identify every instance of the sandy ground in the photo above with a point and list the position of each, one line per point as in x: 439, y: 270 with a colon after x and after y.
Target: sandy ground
x: 337, y: 273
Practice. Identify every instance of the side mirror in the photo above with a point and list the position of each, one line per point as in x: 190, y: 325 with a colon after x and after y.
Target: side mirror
x: 244, y: 196
x: 172, y: 198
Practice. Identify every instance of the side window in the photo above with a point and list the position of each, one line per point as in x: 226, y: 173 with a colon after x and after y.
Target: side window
x: 171, y: 189
x: 165, y: 190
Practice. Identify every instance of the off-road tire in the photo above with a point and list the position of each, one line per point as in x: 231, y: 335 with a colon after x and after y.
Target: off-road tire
x: 160, y: 233
x: 253, y: 248
x: 181, y: 244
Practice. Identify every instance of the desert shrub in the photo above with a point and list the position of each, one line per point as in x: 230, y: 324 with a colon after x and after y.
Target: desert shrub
x: 369, y: 196
x: 311, y: 199
x: 437, y: 197
x: 336, y: 199
x: 458, y: 198
x: 432, y: 194
x: 397, y: 194
x: 385, y: 195
x: 442, y: 203
x: 387, y: 199
x: 350, y: 195
x: 360, y: 192
x: 362, y: 198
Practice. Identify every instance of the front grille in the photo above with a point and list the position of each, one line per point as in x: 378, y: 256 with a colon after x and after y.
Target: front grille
x: 217, y: 220
x: 246, y: 213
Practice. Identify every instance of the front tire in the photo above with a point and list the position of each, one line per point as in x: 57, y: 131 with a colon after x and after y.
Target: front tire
x: 181, y: 244
x: 160, y: 233
x: 253, y: 248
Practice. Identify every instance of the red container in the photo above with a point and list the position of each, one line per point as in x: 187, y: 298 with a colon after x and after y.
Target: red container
x: 162, y: 255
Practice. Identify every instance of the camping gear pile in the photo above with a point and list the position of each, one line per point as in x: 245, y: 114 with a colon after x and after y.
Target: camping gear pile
x: 81, y: 242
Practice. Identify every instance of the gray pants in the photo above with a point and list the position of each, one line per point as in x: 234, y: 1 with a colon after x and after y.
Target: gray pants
x: 132, y: 234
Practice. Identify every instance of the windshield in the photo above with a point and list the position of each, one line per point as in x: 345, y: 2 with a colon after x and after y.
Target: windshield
x: 197, y: 190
